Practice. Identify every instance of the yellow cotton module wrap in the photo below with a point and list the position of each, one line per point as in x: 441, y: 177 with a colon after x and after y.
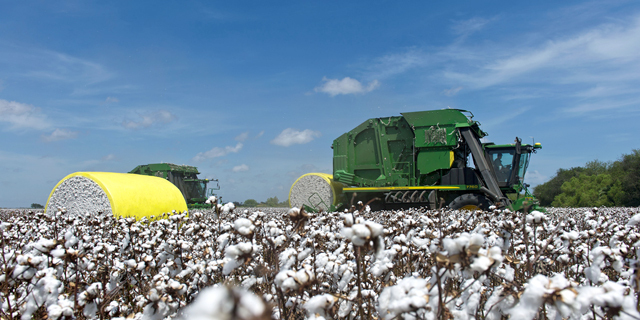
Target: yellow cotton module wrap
x: 129, y: 195
x: 317, y: 190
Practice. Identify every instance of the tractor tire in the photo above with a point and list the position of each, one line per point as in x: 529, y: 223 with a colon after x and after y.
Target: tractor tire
x: 470, y: 202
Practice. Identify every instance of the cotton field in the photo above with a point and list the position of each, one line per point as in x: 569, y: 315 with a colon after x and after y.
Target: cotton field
x: 289, y: 264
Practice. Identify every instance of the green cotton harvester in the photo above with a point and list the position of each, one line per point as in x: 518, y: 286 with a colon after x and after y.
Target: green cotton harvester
x: 185, y: 178
x: 420, y: 159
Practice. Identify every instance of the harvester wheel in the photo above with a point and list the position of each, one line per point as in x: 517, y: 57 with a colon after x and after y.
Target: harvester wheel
x: 470, y: 202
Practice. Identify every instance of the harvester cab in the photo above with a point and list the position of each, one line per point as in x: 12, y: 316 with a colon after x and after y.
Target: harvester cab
x: 185, y: 178
x: 419, y: 159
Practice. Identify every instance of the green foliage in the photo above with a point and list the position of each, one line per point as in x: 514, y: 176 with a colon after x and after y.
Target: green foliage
x: 596, y: 184
x: 36, y: 206
x: 586, y: 191
x: 250, y: 203
x: 627, y: 171
x: 271, y: 202
x: 547, y: 191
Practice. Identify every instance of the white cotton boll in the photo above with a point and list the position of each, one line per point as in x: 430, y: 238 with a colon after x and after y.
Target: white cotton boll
x: 532, y: 298
x: 131, y: 263
x: 304, y: 254
x: 408, y: 295
x: 282, y: 276
x: 293, y: 212
x: 280, y: 240
x: 348, y: 219
x: 635, y: 220
x: 223, y: 240
x: 357, y: 241
x: 218, y: 303
x: 451, y: 246
x: 347, y: 233
x: 344, y: 281
x: 481, y: 263
x: 376, y: 228
x: 361, y: 231
x: 495, y: 253
x: 58, y: 253
x: 228, y: 207
x: 476, y: 239
x: 318, y: 304
x: 211, y: 200
x: 243, y: 224
x: 321, y: 260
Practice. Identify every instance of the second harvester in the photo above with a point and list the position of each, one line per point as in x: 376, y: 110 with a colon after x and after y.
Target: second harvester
x: 427, y: 158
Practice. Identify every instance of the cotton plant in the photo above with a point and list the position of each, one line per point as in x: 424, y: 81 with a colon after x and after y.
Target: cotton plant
x: 480, y: 264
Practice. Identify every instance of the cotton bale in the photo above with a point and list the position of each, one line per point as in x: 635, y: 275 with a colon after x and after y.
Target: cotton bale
x: 121, y: 194
x: 316, y: 190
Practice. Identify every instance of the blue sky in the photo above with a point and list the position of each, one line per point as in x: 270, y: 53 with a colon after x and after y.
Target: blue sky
x: 253, y: 93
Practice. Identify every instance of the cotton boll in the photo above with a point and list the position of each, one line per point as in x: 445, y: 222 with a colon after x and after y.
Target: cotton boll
x: 318, y: 305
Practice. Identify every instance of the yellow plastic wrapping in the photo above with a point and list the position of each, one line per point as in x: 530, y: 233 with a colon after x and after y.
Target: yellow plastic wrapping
x: 336, y: 187
x: 134, y: 195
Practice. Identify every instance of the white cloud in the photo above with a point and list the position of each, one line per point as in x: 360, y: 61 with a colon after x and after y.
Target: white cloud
x: 452, y: 92
x: 242, y: 137
x: 217, y: 152
x: 22, y: 116
x: 109, y: 157
x: 60, y: 134
x: 397, y: 63
x: 604, y: 53
x: 240, y: 168
x: 466, y: 27
x: 56, y: 66
x: 292, y: 136
x: 334, y: 87
x: 147, y: 120
x: 535, y: 178
x: 112, y: 100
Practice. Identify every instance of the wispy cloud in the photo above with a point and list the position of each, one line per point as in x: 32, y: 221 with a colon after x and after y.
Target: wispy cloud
x: 290, y: 136
x: 242, y: 137
x: 469, y: 26
x: 606, y: 50
x: 109, y: 157
x: 398, y: 63
x: 334, y: 87
x: 217, y: 152
x: 60, y: 134
x: 149, y: 119
x: 22, y: 116
x: 111, y: 100
x: 240, y: 168
x: 452, y: 92
x: 504, y: 117
x: 56, y: 66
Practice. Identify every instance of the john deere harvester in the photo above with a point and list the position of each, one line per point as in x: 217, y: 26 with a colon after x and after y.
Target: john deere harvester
x: 427, y: 158
x: 193, y: 189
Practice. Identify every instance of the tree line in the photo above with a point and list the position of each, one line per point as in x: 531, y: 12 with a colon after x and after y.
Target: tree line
x: 598, y: 183
x: 272, y: 202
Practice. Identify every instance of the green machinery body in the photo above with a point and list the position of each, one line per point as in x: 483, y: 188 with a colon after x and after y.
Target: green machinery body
x: 430, y: 158
x: 185, y: 178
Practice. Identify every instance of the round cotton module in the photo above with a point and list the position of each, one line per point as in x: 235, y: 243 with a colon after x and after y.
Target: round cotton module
x: 316, y: 190
x: 121, y: 194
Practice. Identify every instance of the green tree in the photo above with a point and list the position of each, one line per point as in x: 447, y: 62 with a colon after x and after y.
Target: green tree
x: 250, y: 203
x: 547, y: 191
x: 587, y: 191
x: 36, y: 206
x: 273, y: 202
x: 627, y: 172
